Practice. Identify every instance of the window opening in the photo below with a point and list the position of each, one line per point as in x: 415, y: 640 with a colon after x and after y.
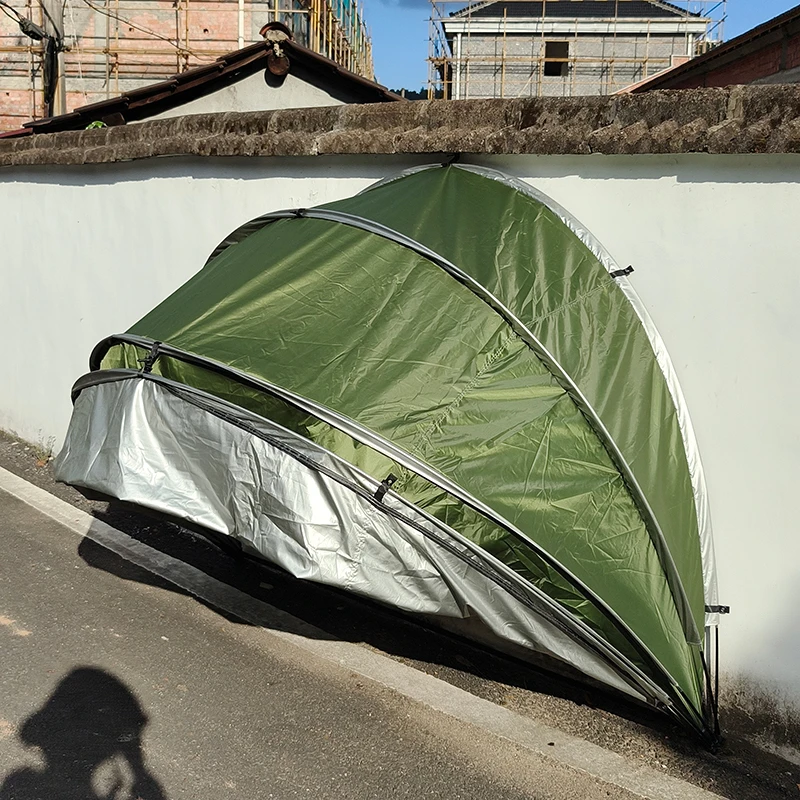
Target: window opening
x: 555, y: 59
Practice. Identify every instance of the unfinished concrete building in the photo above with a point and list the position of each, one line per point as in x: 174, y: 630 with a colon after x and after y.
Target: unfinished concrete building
x: 524, y: 48
x: 56, y: 55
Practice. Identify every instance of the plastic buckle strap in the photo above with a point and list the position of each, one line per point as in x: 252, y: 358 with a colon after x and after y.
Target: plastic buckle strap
x: 150, y: 359
x: 622, y: 273
x: 386, y: 484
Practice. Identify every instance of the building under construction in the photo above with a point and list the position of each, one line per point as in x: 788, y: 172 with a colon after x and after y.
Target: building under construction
x: 524, y: 48
x: 56, y: 55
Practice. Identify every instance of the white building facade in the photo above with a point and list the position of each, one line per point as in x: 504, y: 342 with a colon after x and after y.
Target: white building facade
x: 562, y: 48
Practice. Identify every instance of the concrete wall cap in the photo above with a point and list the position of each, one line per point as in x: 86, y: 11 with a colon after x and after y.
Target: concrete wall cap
x: 735, y: 120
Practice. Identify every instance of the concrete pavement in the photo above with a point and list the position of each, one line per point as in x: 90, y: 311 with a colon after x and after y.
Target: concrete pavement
x: 275, y: 708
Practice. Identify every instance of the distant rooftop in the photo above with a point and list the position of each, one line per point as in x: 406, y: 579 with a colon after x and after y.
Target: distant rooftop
x: 576, y: 9
x: 767, y: 47
x: 155, y: 98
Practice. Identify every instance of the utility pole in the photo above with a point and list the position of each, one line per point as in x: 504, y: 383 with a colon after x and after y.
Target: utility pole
x: 55, y: 88
x: 51, y: 35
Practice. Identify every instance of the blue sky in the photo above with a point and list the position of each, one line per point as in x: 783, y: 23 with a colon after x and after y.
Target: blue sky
x: 400, y: 34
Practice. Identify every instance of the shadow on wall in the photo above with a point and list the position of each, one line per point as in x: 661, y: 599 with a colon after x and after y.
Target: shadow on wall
x: 202, y: 168
x: 89, y: 736
x: 689, y: 168
x: 764, y: 714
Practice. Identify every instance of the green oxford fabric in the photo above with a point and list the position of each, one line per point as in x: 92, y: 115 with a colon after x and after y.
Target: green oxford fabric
x: 525, y: 255
x: 369, y: 328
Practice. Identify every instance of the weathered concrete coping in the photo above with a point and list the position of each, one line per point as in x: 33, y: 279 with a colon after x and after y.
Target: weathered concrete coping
x: 743, y: 119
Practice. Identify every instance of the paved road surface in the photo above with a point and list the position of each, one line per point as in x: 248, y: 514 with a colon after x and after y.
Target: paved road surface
x: 232, y: 711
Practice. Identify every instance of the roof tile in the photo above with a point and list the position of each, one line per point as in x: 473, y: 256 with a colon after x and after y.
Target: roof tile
x: 574, y: 9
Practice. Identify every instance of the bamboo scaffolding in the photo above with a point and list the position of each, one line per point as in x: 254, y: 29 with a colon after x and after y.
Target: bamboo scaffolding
x: 122, y: 44
x: 460, y: 48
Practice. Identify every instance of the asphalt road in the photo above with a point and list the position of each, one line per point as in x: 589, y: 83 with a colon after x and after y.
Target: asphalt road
x: 117, y: 688
x: 739, y: 770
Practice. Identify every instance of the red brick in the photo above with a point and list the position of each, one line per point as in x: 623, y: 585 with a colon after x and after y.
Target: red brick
x: 141, y: 57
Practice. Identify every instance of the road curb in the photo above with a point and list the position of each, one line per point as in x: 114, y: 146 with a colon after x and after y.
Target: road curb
x: 608, y: 767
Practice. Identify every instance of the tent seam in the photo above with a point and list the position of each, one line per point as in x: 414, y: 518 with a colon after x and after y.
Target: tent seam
x: 422, y: 440
x: 563, y: 306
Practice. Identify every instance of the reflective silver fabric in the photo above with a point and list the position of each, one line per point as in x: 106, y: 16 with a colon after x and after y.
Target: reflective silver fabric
x: 139, y: 442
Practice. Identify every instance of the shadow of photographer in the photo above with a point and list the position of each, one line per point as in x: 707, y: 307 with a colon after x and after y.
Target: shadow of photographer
x: 89, y: 736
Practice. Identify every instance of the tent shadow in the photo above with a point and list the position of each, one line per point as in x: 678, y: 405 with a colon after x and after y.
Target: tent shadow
x: 336, y: 614
x: 739, y: 770
x: 97, y: 556
x: 88, y: 733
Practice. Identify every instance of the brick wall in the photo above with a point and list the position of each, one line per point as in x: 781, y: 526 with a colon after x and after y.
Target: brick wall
x: 762, y: 63
x: 140, y: 43
x: 496, y: 67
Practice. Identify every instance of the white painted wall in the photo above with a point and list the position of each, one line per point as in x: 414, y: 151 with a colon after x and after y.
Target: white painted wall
x: 716, y: 248
x: 253, y: 94
x: 86, y: 251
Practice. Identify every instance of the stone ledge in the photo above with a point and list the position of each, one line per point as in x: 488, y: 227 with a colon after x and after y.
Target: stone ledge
x: 736, y: 120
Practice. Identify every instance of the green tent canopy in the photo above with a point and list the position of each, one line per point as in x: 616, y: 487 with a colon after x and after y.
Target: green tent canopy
x: 443, y: 394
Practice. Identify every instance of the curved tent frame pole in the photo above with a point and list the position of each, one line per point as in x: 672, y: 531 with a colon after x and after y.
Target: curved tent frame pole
x: 668, y: 370
x: 497, y: 571
x: 691, y: 448
x: 690, y: 630
x: 694, y: 461
x: 684, y: 710
x: 696, y: 471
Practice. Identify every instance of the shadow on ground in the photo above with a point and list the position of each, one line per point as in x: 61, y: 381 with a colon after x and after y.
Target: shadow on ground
x: 88, y: 734
x: 740, y: 771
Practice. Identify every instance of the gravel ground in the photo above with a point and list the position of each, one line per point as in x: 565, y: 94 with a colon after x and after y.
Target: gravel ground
x: 739, y: 771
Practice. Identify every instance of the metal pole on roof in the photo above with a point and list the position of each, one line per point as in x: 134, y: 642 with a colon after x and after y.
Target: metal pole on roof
x: 503, y: 62
x: 540, y: 61
x: 53, y: 25
x: 611, y: 77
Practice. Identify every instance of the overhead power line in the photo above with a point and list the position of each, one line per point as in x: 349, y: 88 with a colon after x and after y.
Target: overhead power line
x: 6, y: 8
x: 129, y: 23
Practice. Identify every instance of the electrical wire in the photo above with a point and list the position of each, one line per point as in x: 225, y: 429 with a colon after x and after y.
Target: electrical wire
x: 77, y: 48
x: 16, y: 16
x: 52, y: 21
x: 19, y: 18
x: 130, y: 24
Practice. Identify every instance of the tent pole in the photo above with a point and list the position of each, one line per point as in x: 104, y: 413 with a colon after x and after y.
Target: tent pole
x: 679, y: 705
x: 652, y: 525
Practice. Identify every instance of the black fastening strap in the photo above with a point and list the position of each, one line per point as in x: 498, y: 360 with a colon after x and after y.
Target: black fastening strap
x: 718, y: 609
x: 621, y: 273
x: 150, y: 359
x: 386, y: 484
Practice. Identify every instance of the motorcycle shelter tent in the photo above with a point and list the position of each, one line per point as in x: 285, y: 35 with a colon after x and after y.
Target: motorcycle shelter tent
x: 441, y: 393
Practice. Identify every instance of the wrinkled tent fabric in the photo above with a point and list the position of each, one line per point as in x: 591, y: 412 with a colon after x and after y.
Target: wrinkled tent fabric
x: 442, y: 394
